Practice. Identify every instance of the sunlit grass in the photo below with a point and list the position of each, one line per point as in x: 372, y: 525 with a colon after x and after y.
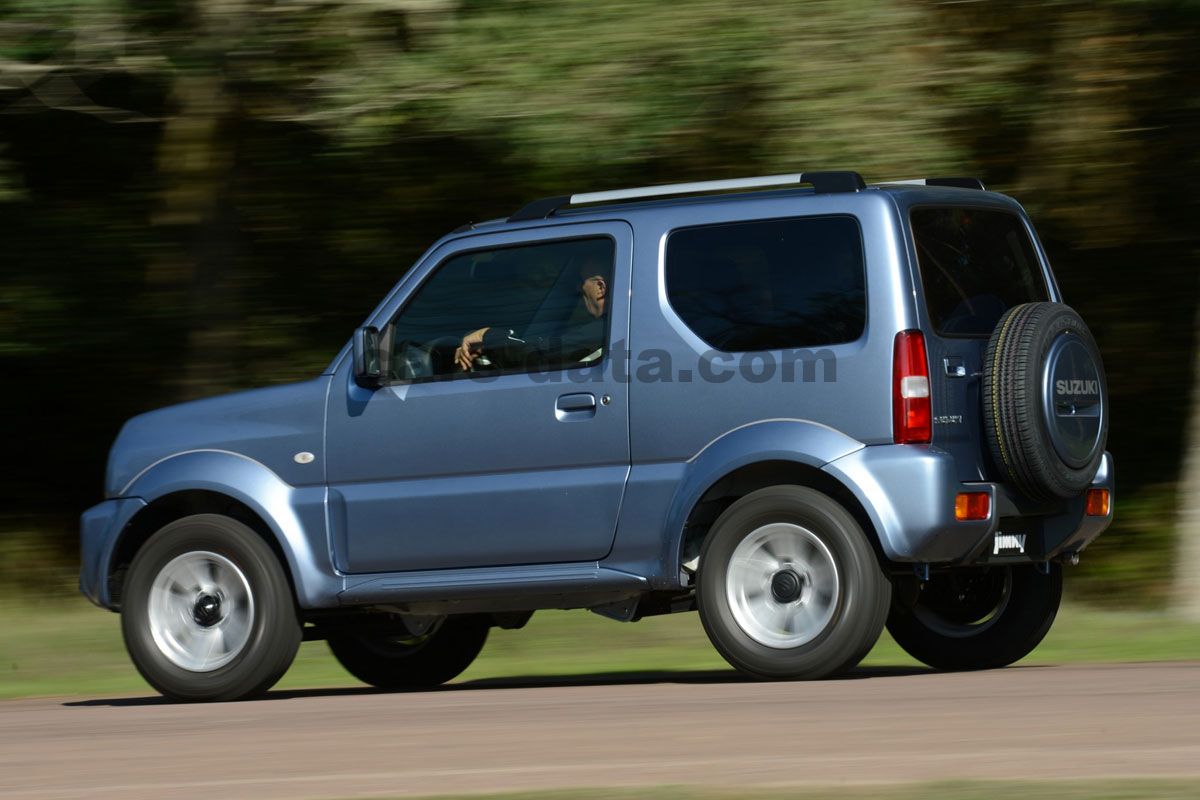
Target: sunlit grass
x: 72, y: 648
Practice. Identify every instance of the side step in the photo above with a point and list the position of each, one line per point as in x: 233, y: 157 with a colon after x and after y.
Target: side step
x: 494, y: 588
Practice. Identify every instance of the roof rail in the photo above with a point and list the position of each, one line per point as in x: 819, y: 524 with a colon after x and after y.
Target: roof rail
x: 958, y: 183
x: 822, y: 182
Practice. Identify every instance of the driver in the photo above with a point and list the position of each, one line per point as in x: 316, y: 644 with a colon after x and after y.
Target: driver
x: 581, y: 342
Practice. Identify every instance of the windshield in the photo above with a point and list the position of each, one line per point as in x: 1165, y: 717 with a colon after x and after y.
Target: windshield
x: 975, y: 265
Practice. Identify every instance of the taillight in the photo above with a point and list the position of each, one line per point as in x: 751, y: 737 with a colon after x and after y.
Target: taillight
x: 912, y: 415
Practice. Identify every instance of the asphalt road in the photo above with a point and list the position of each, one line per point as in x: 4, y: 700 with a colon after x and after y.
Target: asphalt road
x: 668, y: 728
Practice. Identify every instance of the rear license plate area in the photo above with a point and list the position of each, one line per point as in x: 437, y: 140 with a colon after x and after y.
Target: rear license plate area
x: 1016, y: 539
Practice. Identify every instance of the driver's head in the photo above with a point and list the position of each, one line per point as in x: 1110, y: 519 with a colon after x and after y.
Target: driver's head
x: 593, y: 284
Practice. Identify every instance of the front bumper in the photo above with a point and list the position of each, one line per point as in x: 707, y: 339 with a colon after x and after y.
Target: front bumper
x: 908, y: 492
x: 99, y: 529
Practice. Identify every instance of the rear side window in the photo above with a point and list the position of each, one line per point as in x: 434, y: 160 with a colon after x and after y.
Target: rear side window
x: 975, y: 265
x: 769, y: 284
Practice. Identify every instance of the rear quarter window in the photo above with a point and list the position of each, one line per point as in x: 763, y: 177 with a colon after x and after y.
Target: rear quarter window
x: 975, y: 264
x: 769, y: 284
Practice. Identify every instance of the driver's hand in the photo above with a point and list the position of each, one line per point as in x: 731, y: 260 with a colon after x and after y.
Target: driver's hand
x: 469, y: 350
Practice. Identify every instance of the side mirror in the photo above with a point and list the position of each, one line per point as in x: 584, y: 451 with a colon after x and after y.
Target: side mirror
x: 367, y: 370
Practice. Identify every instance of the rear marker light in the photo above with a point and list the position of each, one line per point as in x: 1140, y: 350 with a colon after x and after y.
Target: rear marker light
x: 912, y: 415
x: 1097, y: 502
x: 972, y: 505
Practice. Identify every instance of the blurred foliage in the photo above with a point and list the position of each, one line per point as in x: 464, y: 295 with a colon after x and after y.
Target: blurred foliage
x: 200, y: 195
x: 1129, y: 566
x: 31, y: 566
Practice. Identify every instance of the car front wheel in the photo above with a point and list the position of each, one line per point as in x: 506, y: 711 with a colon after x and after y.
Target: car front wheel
x: 207, y: 612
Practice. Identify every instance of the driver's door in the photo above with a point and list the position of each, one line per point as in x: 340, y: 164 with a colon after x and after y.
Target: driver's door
x: 445, y: 469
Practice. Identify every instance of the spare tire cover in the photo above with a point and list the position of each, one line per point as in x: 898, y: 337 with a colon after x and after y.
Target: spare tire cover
x: 1045, y: 401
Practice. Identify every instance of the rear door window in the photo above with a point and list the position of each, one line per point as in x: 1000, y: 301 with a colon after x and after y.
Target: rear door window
x: 975, y: 265
x: 769, y: 284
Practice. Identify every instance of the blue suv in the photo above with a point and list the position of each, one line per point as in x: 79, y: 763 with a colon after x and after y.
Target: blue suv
x: 804, y: 406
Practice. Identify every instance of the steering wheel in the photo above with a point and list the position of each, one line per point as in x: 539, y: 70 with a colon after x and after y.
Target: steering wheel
x: 440, y: 355
x: 411, y: 360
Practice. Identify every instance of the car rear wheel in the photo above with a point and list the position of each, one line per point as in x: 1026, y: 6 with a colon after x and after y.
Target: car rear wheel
x: 789, y: 587
x: 977, y: 618
x: 207, y: 612
x: 402, y: 659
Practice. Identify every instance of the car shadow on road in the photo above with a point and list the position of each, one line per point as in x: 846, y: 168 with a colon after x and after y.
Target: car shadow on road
x: 727, y: 676
x: 656, y: 676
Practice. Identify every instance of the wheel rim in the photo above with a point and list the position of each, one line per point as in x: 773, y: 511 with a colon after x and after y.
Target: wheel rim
x: 782, y: 585
x: 201, y: 611
x: 932, y: 613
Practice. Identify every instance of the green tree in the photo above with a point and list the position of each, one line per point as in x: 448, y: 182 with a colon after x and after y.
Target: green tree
x: 1187, y: 582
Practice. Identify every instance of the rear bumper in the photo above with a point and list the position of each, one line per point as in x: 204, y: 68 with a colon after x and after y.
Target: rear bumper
x: 1064, y: 532
x: 99, y: 528
x: 908, y: 492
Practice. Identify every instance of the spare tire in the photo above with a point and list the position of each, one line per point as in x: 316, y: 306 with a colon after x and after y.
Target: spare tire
x: 1045, y: 401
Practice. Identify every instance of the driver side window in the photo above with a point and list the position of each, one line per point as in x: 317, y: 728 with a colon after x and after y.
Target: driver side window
x: 521, y: 308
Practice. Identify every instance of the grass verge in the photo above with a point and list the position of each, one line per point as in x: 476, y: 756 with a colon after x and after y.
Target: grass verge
x: 72, y: 648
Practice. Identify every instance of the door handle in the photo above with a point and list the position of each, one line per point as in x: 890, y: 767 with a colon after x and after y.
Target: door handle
x: 579, y: 405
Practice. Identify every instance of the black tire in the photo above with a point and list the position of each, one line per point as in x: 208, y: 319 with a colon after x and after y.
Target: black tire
x: 1046, y: 443
x: 855, y: 613
x: 391, y: 661
x: 272, y: 627
x: 978, y: 618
